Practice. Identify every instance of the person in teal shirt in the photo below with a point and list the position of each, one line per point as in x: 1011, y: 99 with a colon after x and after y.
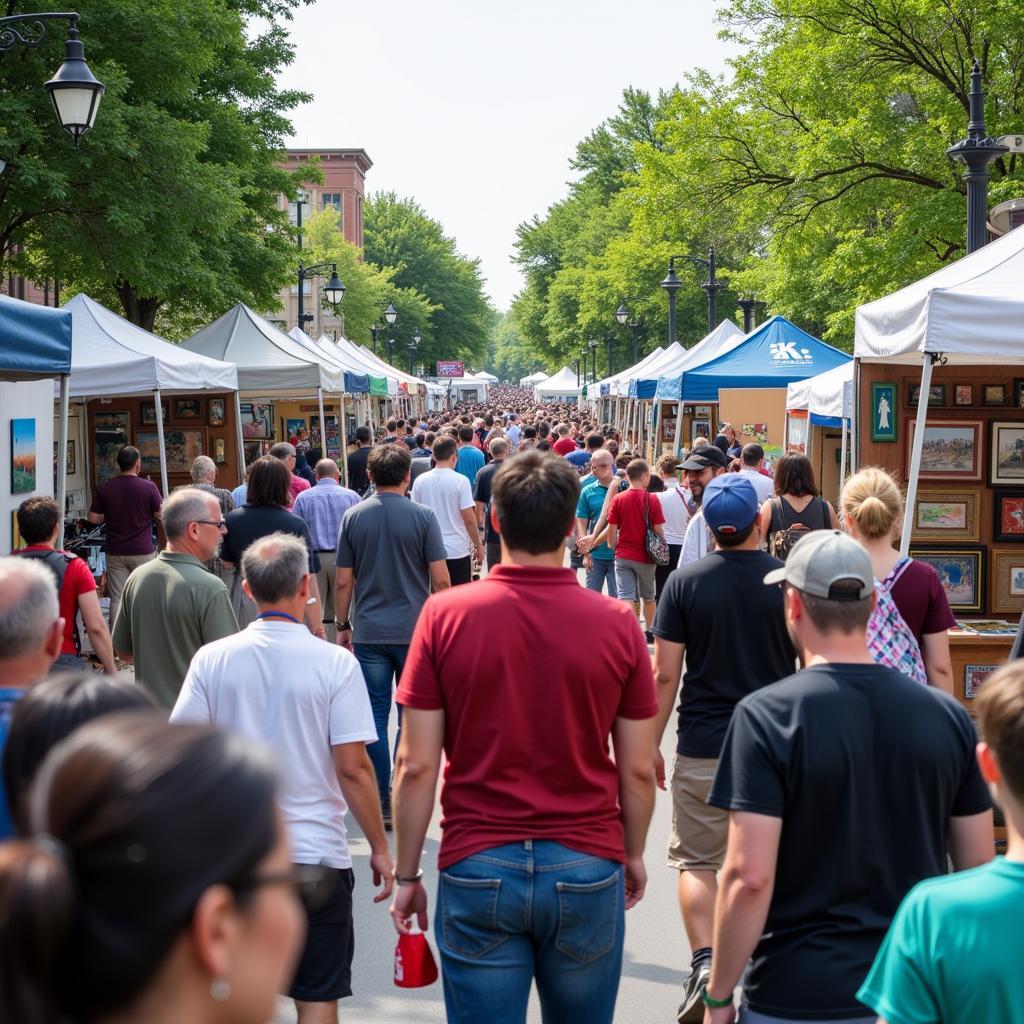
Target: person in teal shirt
x: 600, y: 562
x: 470, y: 459
x: 955, y: 951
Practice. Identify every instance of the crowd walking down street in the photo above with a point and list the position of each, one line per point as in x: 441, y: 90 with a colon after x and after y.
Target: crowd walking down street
x: 339, y: 728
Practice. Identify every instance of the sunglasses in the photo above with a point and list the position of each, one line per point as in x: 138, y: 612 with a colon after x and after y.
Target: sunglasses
x: 313, y: 884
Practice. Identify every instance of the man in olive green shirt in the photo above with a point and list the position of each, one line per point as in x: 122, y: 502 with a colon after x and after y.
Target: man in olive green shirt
x: 173, y: 605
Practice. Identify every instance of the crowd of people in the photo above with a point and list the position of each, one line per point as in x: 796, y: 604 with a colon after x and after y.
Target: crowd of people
x: 529, y: 603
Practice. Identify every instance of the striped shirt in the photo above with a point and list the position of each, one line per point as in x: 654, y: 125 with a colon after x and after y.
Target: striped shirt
x: 322, y: 508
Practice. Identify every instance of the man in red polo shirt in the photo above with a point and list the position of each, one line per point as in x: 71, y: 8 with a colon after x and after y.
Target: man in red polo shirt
x: 543, y: 832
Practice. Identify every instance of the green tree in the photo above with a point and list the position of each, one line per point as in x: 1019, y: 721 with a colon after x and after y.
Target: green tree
x: 399, y: 235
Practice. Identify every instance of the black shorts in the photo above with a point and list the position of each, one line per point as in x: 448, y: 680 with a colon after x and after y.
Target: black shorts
x: 460, y: 570
x: 325, y: 969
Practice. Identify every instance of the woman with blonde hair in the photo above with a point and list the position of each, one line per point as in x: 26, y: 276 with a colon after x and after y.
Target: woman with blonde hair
x: 872, y: 509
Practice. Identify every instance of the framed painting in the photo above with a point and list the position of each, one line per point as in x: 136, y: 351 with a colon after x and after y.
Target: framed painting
x: 257, y: 421
x: 188, y: 408
x: 293, y: 426
x: 110, y: 435
x: 147, y: 413
x: 71, y: 462
x: 217, y: 412
x: 952, y: 449
x: 23, y: 456
x: 975, y: 676
x: 181, y: 446
x: 1008, y: 515
x: 1007, y: 582
x: 994, y: 394
x: 946, y: 515
x: 936, y: 395
x: 220, y: 449
x: 883, y: 411
x: 961, y: 572
x: 963, y: 394
x: 1018, y: 392
x: 700, y: 428
x: 1006, y: 452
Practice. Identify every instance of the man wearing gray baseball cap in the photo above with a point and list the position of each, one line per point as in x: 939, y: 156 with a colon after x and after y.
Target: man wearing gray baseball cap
x: 847, y: 784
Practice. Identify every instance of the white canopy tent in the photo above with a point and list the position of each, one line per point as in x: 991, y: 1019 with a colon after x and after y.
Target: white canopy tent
x: 970, y: 312
x: 560, y: 387
x: 534, y: 378
x: 484, y: 375
x: 469, y: 387
x: 828, y: 401
x: 609, y: 386
x: 110, y: 356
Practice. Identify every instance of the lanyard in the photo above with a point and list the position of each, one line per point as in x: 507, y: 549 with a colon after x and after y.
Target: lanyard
x: 279, y: 615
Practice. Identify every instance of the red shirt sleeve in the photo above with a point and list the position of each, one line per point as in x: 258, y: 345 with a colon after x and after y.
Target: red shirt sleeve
x: 420, y: 686
x: 638, y: 696
x: 81, y: 576
x: 614, y: 510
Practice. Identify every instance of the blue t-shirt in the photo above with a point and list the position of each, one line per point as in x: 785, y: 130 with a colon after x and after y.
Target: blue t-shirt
x: 953, y: 952
x: 470, y: 462
x: 9, y: 696
x: 589, y: 506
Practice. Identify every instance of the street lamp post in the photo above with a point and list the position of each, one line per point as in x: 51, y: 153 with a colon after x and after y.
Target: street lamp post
x: 413, y: 345
x: 374, y: 331
x: 712, y: 286
x: 74, y: 90
x: 623, y: 315
x: 976, y: 152
x: 592, y: 344
x: 750, y: 307
x: 334, y: 290
x: 390, y: 316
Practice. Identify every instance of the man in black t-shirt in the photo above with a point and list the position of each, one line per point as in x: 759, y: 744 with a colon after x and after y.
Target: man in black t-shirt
x: 847, y: 784
x: 724, y: 662
x: 358, y: 479
x: 498, y: 449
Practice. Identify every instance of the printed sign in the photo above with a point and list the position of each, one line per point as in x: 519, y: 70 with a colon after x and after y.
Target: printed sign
x: 451, y: 368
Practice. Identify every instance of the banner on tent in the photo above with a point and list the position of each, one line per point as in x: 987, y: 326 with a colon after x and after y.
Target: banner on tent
x: 451, y: 368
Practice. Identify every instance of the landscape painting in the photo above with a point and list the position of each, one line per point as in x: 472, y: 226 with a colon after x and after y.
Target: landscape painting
x: 23, y: 456
x: 946, y: 515
x: 961, y: 572
x: 181, y: 446
x: 1007, y: 453
x: 951, y: 450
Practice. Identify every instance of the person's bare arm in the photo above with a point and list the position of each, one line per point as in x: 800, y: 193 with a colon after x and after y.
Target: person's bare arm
x: 344, y: 583
x: 668, y: 670
x: 744, y: 896
x: 314, y: 613
x: 96, y: 628
x: 417, y: 763
x: 440, y: 579
x: 937, y: 662
x: 833, y: 519
x: 96, y: 517
x: 481, y: 514
x: 633, y: 741
x: 970, y: 840
x: 358, y: 783
x: 473, y: 531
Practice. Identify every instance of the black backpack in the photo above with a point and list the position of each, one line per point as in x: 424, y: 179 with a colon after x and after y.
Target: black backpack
x: 783, y: 534
x: 57, y: 562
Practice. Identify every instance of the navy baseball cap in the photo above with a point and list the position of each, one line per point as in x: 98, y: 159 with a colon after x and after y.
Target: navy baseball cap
x: 730, y: 503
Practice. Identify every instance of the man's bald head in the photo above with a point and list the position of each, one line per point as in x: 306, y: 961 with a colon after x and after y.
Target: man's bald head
x: 327, y: 468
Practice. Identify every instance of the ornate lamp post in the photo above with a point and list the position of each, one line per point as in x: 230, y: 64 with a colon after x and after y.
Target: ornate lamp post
x: 626, y: 319
x: 390, y: 316
x: 334, y: 290
x: 592, y: 345
x: 413, y: 345
x: 374, y: 331
x: 672, y: 284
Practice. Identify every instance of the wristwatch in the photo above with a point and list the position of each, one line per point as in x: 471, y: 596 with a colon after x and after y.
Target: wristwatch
x: 346, y: 625
x: 714, y: 1004
x: 409, y: 879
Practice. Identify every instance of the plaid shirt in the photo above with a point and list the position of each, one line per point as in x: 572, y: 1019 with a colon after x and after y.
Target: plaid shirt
x: 322, y: 507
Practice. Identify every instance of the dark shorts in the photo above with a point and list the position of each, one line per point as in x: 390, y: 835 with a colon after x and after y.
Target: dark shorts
x: 325, y: 969
x: 460, y: 570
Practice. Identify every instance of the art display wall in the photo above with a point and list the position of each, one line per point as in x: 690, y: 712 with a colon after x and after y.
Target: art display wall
x: 26, y: 447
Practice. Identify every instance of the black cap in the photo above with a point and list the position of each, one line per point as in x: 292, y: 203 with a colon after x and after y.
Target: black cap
x: 705, y: 457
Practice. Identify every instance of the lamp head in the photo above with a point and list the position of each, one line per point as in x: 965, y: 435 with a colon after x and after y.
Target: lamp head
x: 74, y: 90
x: 622, y: 314
x: 334, y: 290
x: 671, y: 283
x: 391, y: 314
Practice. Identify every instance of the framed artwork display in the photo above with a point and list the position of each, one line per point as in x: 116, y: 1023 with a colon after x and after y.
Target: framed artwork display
x: 1006, y: 452
x: 217, y: 412
x: 188, y: 408
x: 293, y: 426
x: 701, y: 428
x: 1008, y: 515
x: 23, y: 456
x: 702, y: 412
x: 181, y: 446
x: 147, y: 413
x: 961, y: 572
x: 220, y: 450
x: 946, y: 515
x: 70, y: 460
x: 1007, y: 582
x: 952, y: 449
x: 975, y: 676
x: 883, y: 411
x: 963, y: 394
x: 1018, y: 392
x: 110, y: 435
x: 257, y: 421
x: 334, y: 436
x: 936, y: 395
x: 995, y: 394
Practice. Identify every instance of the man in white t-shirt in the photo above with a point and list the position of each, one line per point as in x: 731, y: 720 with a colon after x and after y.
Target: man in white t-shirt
x: 701, y: 467
x: 752, y: 458
x: 318, y: 720
x: 450, y: 497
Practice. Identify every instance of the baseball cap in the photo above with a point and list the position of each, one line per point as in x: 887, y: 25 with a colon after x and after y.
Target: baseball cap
x: 706, y: 457
x: 730, y: 503
x: 822, y: 558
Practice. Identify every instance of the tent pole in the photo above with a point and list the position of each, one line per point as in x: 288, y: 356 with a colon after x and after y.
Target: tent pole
x: 239, y: 439
x: 679, y: 426
x: 323, y: 422
x: 62, y: 455
x: 915, y: 454
x: 855, y: 417
x: 842, y: 457
x: 160, y: 439
x: 342, y: 446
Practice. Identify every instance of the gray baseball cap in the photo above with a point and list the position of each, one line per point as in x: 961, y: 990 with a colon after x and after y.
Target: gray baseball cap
x: 822, y: 558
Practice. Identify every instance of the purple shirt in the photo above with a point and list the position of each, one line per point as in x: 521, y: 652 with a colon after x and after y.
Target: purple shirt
x: 322, y: 508
x: 128, y: 504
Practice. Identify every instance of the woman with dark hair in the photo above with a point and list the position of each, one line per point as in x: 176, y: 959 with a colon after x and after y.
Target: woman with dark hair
x: 264, y: 512
x: 50, y: 711
x: 158, y: 886
x: 796, y: 507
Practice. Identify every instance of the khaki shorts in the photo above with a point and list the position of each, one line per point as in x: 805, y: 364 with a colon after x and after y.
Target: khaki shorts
x: 699, y: 831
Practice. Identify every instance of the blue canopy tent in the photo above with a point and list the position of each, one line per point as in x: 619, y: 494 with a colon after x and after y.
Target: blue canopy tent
x: 772, y: 356
x: 35, y: 344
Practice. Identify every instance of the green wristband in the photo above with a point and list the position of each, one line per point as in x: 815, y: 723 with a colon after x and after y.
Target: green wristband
x: 715, y: 1004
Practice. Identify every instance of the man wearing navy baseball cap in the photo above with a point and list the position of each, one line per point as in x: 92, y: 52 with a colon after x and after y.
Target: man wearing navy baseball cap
x: 697, y: 616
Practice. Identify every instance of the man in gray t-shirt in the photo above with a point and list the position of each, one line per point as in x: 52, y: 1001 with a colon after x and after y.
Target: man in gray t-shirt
x: 390, y: 555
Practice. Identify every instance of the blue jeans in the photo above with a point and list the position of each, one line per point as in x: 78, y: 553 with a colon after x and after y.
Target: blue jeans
x: 602, y: 570
x: 534, y: 910
x: 380, y: 664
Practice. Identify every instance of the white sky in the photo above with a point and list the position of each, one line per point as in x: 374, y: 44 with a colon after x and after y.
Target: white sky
x: 474, y: 107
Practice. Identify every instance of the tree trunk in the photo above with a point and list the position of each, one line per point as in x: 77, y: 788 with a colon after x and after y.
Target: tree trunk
x: 139, y: 311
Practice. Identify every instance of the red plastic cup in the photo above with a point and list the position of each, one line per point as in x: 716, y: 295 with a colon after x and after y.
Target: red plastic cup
x: 414, y: 962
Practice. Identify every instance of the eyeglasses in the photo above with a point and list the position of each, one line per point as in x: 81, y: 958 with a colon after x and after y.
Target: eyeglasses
x: 221, y: 524
x: 313, y: 884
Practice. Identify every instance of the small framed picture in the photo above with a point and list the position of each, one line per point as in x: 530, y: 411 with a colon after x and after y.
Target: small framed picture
x: 946, y: 515
x: 961, y: 572
x: 1007, y: 582
x: 1018, y: 392
x: 1008, y: 515
x: 71, y: 462
x: 220, y: 450
x: 963, y: 394
x: 1006, y: 452
x: 883, y: 411
x: 975, y: 676
x: 147, y: 413
x: 216, y: 412
x: 952, y: 449
x: 188, y: 408
x: 995, y: 394
x: 936, y: 395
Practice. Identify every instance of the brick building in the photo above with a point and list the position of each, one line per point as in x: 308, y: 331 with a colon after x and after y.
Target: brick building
x: 343, y: 187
